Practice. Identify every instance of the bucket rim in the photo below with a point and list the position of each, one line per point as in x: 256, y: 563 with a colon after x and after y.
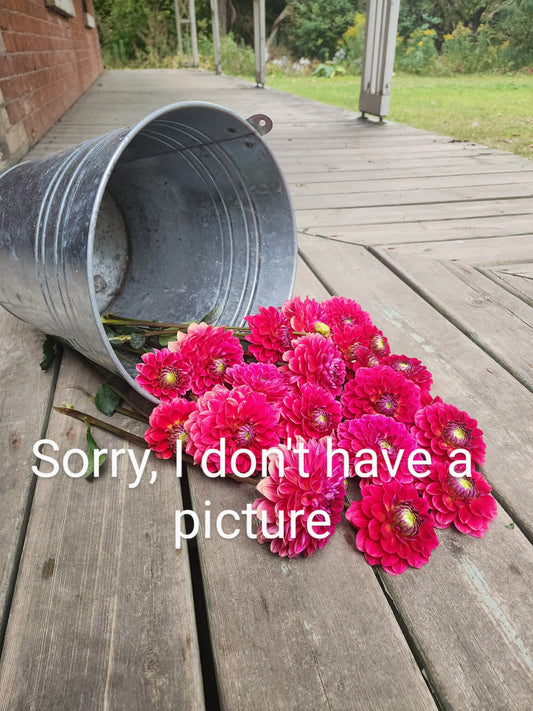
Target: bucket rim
x: 131, y: 132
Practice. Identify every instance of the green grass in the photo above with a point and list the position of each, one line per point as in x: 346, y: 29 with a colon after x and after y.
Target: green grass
x: 496, y: 111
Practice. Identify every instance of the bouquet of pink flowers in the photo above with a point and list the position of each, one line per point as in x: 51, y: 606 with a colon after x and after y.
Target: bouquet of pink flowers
x: 313, y: 389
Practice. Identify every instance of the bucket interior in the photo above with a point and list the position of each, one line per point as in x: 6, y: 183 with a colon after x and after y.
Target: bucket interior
x: 191, y: 220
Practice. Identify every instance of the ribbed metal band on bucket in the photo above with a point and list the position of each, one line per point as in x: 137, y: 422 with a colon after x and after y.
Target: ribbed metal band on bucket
x: 185, y: 211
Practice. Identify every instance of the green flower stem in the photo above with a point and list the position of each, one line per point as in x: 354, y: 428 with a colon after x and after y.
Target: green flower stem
x: 101, y: 424
x: 111, y: 320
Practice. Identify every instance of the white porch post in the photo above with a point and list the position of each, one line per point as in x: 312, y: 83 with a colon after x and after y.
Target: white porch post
x: 378, y: 56
x: 186, y: 16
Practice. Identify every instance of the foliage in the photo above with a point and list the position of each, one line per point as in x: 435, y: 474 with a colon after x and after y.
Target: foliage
x: 136, y: 33
x: 418, y: 53
x: 465, y: 51
x: 314, y: 28
x: 353, y: 43
x: 235, y: 56
x: 436, y: 36
x: 329, y: 70
x: 514, y: 21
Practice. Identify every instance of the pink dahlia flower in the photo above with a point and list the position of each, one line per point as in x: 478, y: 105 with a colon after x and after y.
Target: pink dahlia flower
x: 164, y: 374
x: 262, y: 378
x: 412, y: 369
x: 380, y: 391
x: 442, y: 428
x: 209, y: 351
x: 270, y: 335
x: 361, y: 344
x: 310, y: 412
x: 305, y: 316
x: 379, y: 434
x: 167, y: 426
x: 340, y: 312
x: 283, y: 493
x: 395, y: 528
x: 315, y: 359
x: 464, y: 501
x: 242, y: 417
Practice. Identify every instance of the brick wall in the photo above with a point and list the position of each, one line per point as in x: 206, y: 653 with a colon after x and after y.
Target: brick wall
x: 47, y: 60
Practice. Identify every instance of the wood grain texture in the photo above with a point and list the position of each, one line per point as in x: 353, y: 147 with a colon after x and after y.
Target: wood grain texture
x: 291, y: 635
x: 516, y: 278
x: 469, y: 610
x: 103, y: 613
x: 453, y: 277
x: 24, y: 402
x: 428, y: 230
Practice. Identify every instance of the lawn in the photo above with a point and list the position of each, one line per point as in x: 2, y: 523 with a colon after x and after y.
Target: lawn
x: 496, y: 111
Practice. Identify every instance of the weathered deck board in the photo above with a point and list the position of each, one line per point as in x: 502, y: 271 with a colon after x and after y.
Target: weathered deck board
x: 517, y: 278
x: 315, y: 633
x: 471, y: 228
x: 24, y: 403
x: 451, y: 275
x: 470, y: 609
x: 390, y: 214
x: 350, y: 198
x: 325, y: 184
x: 103, y: 615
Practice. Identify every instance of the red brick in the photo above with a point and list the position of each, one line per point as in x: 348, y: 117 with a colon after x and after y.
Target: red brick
x: 50, y: 61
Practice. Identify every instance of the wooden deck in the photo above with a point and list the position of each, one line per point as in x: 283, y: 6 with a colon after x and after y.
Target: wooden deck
x: 99, y: 611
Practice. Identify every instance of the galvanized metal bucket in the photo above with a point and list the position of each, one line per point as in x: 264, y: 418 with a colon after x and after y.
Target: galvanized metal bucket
x: 185, y: 211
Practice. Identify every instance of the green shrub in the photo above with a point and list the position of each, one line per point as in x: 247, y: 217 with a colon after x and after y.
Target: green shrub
x: 353, y: 44
x: 468, y: 52
x: 418, y: 54
x: 236, y: 57
x: 313, y: 29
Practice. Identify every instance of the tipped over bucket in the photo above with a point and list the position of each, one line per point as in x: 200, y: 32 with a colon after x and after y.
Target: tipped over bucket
x: 183, y: 213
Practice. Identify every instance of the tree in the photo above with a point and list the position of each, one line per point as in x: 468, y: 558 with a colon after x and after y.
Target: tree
x: 314, y: 28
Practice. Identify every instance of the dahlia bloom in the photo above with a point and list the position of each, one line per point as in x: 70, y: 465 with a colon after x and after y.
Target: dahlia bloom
x: 262, y: 378
x: 361, y: 344
x: 242, y: 417
x: 167, y: 426
x: 288, y: 491
x: 377, y: 433
x: 270, y: 334
x: 442, y: 428
x: 310, y: 412
x: 209, y: 351
x: 316, y: 360
x: 380, y: 391
x: 395, y: 527
x: 164, y: 374
x: 412, y: 369
x: 305, y: 316
x: 340, y: 312
x: 464, y: 501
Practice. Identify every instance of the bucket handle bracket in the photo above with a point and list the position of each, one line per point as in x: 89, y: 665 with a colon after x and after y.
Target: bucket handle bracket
x: 261, y: 123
